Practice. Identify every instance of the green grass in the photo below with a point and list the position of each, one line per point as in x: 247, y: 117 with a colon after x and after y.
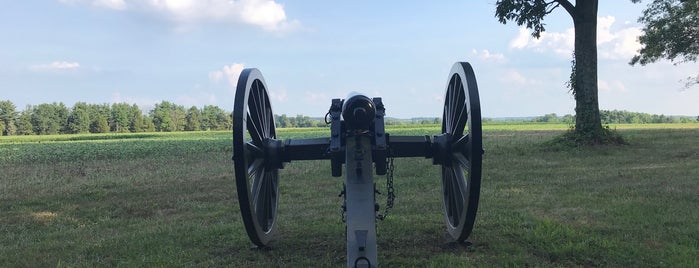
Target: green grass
x: 169, y: 200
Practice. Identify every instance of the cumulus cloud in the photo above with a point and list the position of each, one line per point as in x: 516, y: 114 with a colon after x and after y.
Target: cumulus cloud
x: 146, y: 104
x: 486, y: 55
x: 518, y: 78
x: 56, y: 66
x: 229, y: 73
x: 198, y: 99
x: 278, y: 95
x: 613, y: 42
x: 615, y: 85
x: 560, y: 43
x: 266, y: 14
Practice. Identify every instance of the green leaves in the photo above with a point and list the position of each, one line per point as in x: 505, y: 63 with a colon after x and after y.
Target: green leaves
x: 529, y: 13
x: 670, y: 32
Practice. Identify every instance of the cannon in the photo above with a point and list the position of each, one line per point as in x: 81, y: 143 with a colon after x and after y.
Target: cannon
x: 358, y: 141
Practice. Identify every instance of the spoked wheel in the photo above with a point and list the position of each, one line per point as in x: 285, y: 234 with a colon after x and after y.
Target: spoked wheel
x: 461, y: 167
x: 257, y: 179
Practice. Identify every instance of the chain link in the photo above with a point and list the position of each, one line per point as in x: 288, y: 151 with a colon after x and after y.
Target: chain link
x: 390, y: 195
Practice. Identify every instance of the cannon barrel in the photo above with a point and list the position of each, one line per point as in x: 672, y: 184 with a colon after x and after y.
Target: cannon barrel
x: 358, y: 111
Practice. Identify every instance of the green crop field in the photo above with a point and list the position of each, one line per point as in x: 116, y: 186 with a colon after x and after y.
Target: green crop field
x: 169, y: 200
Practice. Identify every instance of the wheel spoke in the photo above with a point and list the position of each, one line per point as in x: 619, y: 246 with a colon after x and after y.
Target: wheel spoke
x: 462, y: 160
x: 450, y: 114
x: 457, y: 196
x: 462, y: 144
x: 262, y: 208
x: 255, y: 166
x: 257, y: 185
x: 254, y: 130
x: 462, y: 114
x: 254, y: 151
x: 455, y: 105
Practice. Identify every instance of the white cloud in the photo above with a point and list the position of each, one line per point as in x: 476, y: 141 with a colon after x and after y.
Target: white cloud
x: 614, y: 85
x: 229, y: 72
x: 612, y: 42
x: 266, y: 14
x: 109, y: 4
x: 198, y: 99
x: 560, y: 43
x: 627, y: 43
x: 604, y: 25
x: 56, y: 66
x: 145, y: 104
x: 519, y: 79
x: 313, y: 97
x: 486, y: 55
x: 278, y: 95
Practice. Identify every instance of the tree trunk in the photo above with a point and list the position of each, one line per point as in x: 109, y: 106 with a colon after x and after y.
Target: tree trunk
x: 588, y: 125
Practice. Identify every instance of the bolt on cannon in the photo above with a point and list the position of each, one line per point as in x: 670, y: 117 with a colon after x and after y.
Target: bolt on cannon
x: 359, y: 142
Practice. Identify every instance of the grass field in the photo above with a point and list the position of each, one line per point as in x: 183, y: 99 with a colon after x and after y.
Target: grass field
x: 169, y: 200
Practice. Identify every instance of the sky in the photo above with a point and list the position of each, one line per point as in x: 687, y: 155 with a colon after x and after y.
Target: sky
x: 191, y: 52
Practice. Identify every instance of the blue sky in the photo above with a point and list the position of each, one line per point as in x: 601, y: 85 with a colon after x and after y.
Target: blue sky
x: 190, y: 52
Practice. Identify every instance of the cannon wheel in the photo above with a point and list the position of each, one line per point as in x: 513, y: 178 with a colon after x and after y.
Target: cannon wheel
x: 461, y: 175
x: 257, y: 181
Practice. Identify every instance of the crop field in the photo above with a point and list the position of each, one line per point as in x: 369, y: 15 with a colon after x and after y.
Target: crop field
x: 169, y: 200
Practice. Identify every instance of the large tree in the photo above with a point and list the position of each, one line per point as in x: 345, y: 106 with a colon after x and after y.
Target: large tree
x: 119, y: 117
x: 671, y: 32
x: 24, y: 122
x: 8, y: 115
x: 193, y: 119
x: 79, y: 118
x: 50, y: 118
x: 583, y: 79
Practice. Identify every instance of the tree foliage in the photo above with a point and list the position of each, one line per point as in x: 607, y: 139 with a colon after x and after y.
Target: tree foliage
x: 79, y: 118
x: 529, y: 13
x: 671, y: 31
x: 193, y: 119
x: 8, y: 114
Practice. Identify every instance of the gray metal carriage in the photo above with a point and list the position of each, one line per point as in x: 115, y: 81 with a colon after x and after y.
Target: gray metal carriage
x: 357, y: 140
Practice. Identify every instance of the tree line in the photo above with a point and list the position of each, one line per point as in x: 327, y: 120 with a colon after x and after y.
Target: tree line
x: 620, y: 117
x: 57, y: 118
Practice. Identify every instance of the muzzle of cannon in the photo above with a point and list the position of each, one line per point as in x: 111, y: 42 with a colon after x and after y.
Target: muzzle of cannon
x: 358, y: 111
x: 358, y: 142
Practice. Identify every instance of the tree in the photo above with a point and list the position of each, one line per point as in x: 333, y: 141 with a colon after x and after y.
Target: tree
x: 24, y: 122
x: 215, y: 118
x: 135, y: 119
x: 670, y: 32
x: 119, y: 117
x: 79, y: 118
x: 168, y: 116
x: 8, y: 115
x: 98, y: 118
x: 583, y: 80
x: 50, y: 118
x: 193, y: 119
x: 179, y: 117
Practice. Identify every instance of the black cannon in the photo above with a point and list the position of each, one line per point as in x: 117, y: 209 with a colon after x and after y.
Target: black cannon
x: 357, y: 140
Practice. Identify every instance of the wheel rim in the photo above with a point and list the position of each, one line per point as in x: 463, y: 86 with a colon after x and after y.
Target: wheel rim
x: 461, y: 174
x: 257, y: 182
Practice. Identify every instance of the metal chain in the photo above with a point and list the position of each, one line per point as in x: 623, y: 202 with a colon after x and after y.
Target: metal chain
x: 390, y: 195
x: 343, y: 209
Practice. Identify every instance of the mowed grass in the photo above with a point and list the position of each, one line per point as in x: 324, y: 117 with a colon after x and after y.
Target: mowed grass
x: 169, y: 200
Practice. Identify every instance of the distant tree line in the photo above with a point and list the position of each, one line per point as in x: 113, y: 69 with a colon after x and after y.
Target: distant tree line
x: 620, y: 117
x: 57, y: 118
